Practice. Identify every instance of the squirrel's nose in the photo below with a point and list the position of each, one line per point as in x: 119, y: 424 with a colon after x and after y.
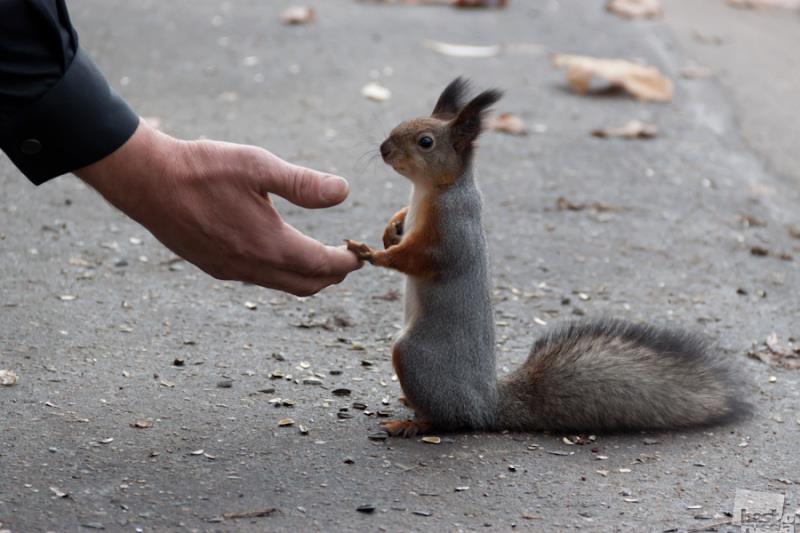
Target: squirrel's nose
x: 385, y: 149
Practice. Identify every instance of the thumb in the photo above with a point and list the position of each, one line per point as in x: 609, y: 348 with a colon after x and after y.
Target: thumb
x: 300, y: 185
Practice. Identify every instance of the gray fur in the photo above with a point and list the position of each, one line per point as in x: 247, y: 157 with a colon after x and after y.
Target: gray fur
x: 448, y: 340
x: 610, y: 375
x: 592, y: 376
x: 598, y: 376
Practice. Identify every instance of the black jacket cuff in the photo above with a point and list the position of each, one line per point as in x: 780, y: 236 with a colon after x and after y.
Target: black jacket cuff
x: 79, y: 121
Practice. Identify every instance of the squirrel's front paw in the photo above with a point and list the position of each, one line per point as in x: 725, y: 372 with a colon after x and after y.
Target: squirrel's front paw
x: 393, y: 233
x: 361, y: 250
x: 406, y: 428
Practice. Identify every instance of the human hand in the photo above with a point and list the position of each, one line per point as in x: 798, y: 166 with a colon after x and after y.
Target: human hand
x: 208, y: 202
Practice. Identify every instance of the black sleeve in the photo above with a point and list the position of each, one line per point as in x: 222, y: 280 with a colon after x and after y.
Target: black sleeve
x: 57, y: 112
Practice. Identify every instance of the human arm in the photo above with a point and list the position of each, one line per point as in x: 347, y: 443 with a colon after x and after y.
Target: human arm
x: 205, y: 200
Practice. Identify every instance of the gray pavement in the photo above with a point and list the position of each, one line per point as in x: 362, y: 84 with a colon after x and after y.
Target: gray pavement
x: 675, y: 252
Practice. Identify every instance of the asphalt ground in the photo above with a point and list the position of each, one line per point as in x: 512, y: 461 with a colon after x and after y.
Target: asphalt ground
x: 664, y: 231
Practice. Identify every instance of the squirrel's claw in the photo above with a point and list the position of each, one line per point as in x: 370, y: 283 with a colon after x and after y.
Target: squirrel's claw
x: 405, y: 428
x: 361, y: 250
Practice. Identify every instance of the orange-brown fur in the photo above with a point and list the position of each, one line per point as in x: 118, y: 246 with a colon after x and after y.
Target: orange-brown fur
x: 413, y: 256
x: 394, y: 229
x: 406, y: 428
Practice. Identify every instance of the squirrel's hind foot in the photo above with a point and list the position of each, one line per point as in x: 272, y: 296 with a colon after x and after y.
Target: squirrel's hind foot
x: 406, y: 428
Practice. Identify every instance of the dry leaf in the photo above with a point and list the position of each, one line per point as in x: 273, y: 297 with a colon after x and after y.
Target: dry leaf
x: 507, y: 123
x: 776, y: 347
x: 8, y: 378
x: 635, y: 9
x: 59, y: 493
x: 432, y: 440
x: 642, y: 81
x: 775, y: 353
x: 142, y: 424
x: 285, y: 422
x: 375, y: 92
x: 463, y: 50
x: 562, y: 204
x: 480, y: 3
x: 754, y: 4
x: 298, y: 15
x: 693, y: 73
x: 249, y: 514
x: 453, y: 3
x: 632, y: 130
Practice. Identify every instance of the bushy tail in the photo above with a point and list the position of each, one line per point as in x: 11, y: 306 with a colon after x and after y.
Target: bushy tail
x: 611, y: 375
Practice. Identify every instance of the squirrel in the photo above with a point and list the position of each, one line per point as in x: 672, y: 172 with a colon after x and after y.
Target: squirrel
x: 588, y: 376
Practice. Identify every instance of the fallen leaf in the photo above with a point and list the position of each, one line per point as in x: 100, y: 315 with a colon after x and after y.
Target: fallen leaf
x: 759, y: 251
x: 507, y: 123
x: 749, y: 221
x: 562, y: 204
x: 298, y: 15
x: 754, y: 4
x: 635, y: 9
x: 695, y: 72
x: 480, y: 3
x: 452, y: 3
x: 775, y: 353
x: 432, y: 440
x: 59, y: 493
x: 642, y: 81
x: 8, y: 378
x: 776, y: 347
x: 631, y: 130
x: 249, y: 514
x: 463, y: 50
x: 375, y: 92
x: 285, y: 422
x: 142, y: 424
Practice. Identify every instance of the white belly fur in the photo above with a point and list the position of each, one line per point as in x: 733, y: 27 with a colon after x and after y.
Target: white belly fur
x: 412, y: 296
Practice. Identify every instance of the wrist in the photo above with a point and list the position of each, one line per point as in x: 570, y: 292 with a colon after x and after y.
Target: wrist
x: 127, y: 176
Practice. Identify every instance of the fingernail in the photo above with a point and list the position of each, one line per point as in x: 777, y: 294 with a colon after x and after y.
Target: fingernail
x: 334, y: 189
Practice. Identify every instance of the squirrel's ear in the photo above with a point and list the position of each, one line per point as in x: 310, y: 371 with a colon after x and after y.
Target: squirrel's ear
x: 467, y: 125
x: 451, y: 100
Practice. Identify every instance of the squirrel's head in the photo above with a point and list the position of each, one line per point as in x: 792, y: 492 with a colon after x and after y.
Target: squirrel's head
x: 435, y: 150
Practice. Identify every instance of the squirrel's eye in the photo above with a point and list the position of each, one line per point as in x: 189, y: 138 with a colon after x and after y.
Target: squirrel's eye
x: 425, y: 142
